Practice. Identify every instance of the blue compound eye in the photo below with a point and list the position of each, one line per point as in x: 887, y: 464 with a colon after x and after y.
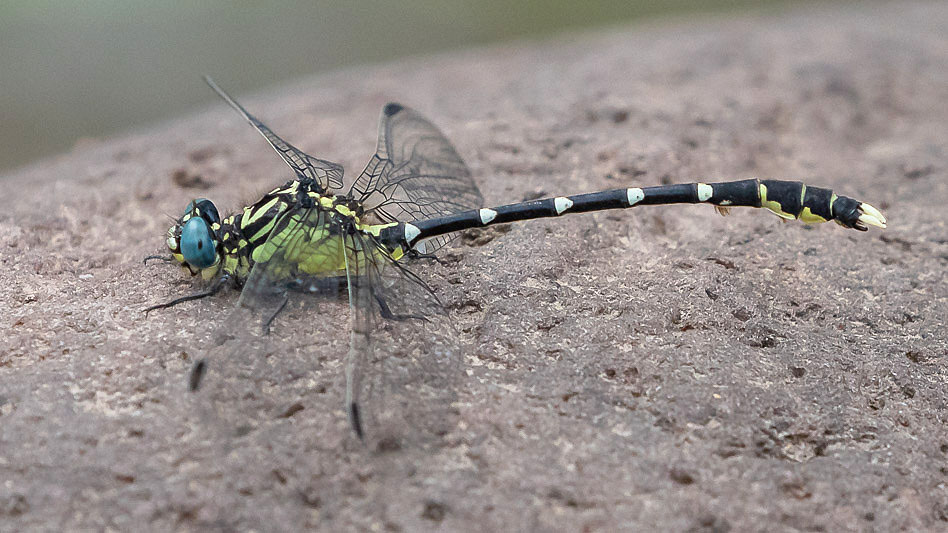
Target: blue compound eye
x: 197, y: 243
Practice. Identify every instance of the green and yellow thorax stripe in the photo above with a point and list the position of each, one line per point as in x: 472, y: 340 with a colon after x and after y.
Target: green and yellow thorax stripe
x: 311, y: 241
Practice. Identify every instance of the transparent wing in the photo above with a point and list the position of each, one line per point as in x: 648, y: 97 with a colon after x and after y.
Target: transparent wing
x: 303, y: 254
x: 403, y: 363
x: 415, y: 173
x: 325, y: 174
x: 360, y: 359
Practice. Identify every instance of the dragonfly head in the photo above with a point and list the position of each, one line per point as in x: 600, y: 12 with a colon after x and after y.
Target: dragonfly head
x: 194, y: 239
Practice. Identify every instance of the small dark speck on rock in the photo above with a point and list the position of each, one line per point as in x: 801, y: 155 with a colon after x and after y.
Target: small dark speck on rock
x: 388, y: 444
x: 434, y: 511
x: 632, y: 171
x: 664, y: 422
x: 291, y: 410
x: 742, y: 314
x: 942, y: 513
x: 797, y: 371
x: 681, y: 476
x: 14, y: 505
x: 186, y: 180
x: 711, y: 524
x: 726, y: 263
x: 203, y: 154
x: 914, y: 172
x: 310, y: 497
x: 762, y: 341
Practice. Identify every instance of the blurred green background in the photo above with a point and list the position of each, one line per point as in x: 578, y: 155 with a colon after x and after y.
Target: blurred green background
x: 71, y: 70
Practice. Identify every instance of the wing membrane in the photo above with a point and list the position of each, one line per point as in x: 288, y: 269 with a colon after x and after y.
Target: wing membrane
x: 325, y: 174
x: 398, y: 390
x: 303, y: 254
x: 415, y: 173
x: 403, y: 362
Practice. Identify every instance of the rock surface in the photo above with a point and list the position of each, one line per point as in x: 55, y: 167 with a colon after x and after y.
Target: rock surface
x: 655, y: 369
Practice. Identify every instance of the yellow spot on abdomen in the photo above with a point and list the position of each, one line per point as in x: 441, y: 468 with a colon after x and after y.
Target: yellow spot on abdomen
x: 773, y: 207
x: 808, y: 217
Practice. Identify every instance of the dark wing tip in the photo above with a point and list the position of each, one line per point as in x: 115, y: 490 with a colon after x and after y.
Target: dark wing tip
x: 197, y: 373
x: 356, y: 420
x: 392, y: 108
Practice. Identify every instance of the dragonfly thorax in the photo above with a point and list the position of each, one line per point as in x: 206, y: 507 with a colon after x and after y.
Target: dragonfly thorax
x: 204, y: 244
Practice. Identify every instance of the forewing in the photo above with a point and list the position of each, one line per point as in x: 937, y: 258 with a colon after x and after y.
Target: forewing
x: 415, y: 173
x: 325, y: 174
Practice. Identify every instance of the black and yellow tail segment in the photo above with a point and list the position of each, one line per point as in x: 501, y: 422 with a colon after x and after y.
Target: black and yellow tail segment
x: 786, y: 199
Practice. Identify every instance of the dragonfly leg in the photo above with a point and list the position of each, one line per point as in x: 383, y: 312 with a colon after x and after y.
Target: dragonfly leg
x: 415, y: 254
x: 163, y: 258
x: 218, y: 284
x: 386, y: 312
x: 266, y: 325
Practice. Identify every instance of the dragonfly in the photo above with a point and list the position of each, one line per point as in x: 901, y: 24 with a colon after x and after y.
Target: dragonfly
x: 308, y: 238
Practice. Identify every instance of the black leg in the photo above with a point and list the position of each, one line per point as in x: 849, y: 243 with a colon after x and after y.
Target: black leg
x: 158, y: 258
x: 415, y: 254
x: 214, y: 289
x: 266, y: 325
x: 386, y: 312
